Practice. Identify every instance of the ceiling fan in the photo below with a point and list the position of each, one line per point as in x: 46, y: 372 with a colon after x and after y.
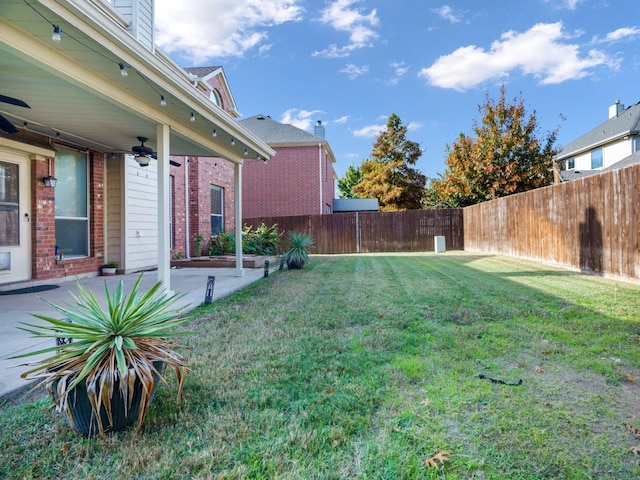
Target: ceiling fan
x: 5, y: 124
x: 143, y: 154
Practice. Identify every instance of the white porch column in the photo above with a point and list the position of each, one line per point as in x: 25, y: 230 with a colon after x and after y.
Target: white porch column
x: 164, y: 250
x: 238, y: 199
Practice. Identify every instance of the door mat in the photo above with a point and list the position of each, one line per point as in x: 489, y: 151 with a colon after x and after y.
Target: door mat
x: 36, y: 289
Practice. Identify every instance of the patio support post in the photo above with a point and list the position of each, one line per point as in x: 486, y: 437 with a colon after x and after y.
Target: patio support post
x: 164, y: 251
x: 238, y: 215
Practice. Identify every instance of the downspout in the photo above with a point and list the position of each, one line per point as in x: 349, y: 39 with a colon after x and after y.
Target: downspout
x: 186, y: 207
x: 320, y: 175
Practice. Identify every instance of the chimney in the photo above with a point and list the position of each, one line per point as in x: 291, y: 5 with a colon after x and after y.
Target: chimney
x: 318, y: 130
x: 615, y: 109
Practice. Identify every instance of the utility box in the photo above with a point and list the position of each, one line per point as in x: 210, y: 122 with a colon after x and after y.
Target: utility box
x: 439, y: 243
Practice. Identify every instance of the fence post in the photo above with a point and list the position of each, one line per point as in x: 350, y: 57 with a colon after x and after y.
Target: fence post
x: 357, y: 233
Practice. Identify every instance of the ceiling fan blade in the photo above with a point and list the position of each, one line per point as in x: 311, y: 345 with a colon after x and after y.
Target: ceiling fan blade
x: 7, y: 126
x: 13, y: 101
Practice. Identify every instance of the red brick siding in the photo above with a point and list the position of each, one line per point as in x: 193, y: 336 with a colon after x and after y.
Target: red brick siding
x: 288, y: 184
x: 44, y: 265
x: 203, y: 173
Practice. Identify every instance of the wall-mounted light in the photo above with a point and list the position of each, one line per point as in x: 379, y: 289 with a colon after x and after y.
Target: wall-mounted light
x: 163, y: 101
x: 246, y: 152
x: 214, y: 133
x: 193, y: 117
x: 233, y: 142
x: 123, y: 70
x: 49, y: 180
x: 56, y: 34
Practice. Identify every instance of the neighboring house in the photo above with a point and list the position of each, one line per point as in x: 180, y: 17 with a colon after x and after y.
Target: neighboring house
x: 203, y: 193
x: 608, y: 146
x: 94, y: 82
x: 299, y: 180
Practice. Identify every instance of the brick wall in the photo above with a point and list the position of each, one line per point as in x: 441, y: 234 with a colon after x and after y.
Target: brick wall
x: 44, y: 264
x: 203, y: 173
x: 287, y: 184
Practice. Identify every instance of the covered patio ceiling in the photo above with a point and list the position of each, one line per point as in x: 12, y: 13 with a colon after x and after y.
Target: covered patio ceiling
x: 77, y: 93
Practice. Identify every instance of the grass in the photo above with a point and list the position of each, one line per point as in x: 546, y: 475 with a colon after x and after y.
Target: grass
x: 366, y: 367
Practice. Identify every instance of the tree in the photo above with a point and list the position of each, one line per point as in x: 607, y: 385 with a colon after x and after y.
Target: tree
x: 352, y: 177
x: 506, y: 156
x: 387, y: 175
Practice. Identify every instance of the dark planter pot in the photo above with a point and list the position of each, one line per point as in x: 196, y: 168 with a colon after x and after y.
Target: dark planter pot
x: 86, y: 423
x: 295, y: 265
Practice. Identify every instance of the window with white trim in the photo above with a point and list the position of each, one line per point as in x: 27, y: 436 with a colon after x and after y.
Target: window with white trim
x: 596, y: 159
x: 72, y: 202
x: 217, y: 220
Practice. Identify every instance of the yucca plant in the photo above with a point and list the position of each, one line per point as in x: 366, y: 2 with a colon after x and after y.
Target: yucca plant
x: 110, y: 351
x: 298, y: 252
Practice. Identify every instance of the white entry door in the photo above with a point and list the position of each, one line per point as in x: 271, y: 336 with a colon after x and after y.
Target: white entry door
x: 15, y: 218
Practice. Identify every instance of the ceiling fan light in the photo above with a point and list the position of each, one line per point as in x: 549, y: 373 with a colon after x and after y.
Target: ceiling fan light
x: 143, y: 160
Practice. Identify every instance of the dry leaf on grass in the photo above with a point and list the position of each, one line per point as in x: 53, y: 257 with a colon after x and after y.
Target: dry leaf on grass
x: 539, y: 369
x: 636, y: 450
x: 633, y: 429
x: 438, y: 457
x: 425, y: 402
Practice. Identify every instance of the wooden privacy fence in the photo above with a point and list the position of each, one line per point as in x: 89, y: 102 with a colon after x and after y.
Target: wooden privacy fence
x: 369, y: 232
x: 591, y: 224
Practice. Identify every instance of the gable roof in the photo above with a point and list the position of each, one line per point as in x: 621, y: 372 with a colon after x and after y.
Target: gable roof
x: 276, y: 133
x: 626, y: 123
x: 204, y: 74
x: 574, y: 174
x: 202, y: 71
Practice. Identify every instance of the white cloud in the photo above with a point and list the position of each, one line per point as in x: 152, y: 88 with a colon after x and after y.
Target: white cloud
x: 341, y: 120
x: 300, y: 118
x: 539, y: 51
x: 354, y: 71
x: 342, y: 16
x: 400, y: 70
x: 198, y: 31
x: 370, y: 131
x: 568, y: 4
x: 413, y: 126
x: 623, y: 33
x: 446, y: 12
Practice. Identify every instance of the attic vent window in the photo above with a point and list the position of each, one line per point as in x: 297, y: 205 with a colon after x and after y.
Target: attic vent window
x: 260, y: 117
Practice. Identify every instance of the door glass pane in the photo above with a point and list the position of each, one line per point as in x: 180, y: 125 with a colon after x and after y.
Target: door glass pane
x: 9, y: 205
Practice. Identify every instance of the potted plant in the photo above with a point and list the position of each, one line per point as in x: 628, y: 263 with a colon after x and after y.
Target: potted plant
x: 105, y: 377
x: 298, y: 252
x: 109, y: 269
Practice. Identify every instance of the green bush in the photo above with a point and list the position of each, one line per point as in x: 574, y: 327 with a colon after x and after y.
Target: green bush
x: 261, y: 241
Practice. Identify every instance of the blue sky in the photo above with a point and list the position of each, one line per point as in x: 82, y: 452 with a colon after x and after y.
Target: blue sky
x: 352, y: 63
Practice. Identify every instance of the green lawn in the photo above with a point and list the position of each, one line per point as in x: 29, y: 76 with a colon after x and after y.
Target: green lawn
x: 367, y: 367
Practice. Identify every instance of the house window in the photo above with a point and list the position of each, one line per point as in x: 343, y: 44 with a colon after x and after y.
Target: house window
x: 215, y: 97
x: 72, y: 202
x: 596, y: 159
x: 217, y: 223
x: 9, y: 205
x: 636, y: 143
x: 571, y: 163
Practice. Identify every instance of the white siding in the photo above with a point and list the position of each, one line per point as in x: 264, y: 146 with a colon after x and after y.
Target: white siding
x: 616, y: 151
x: 140, y: 15
x: 141, y: 216
x: 612, y: 153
